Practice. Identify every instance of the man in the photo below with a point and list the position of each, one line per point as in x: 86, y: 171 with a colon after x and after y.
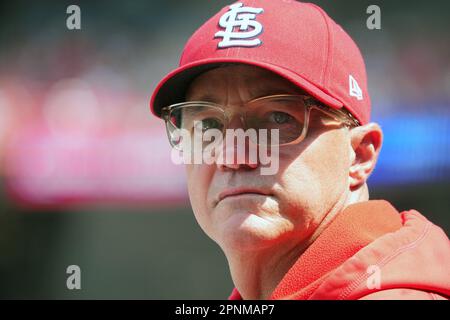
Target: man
x: 309, y: 230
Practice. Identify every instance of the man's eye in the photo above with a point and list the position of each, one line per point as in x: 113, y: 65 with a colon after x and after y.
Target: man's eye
x: 280, y: 117
x: 209, y: 123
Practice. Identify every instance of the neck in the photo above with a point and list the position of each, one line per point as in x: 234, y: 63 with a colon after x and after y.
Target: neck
x: 256, y: 274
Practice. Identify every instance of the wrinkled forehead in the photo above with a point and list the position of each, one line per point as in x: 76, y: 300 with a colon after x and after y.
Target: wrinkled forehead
x: 238, y: 82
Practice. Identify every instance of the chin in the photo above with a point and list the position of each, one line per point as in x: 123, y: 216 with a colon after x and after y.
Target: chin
x: 243, y: 230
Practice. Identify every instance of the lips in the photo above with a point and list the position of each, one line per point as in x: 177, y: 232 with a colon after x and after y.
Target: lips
x: 241, y: 191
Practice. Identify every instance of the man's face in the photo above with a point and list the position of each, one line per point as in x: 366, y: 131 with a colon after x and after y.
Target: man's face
x: 266, y: 210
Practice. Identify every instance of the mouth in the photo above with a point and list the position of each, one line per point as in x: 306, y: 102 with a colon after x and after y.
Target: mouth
x: 239, y: 192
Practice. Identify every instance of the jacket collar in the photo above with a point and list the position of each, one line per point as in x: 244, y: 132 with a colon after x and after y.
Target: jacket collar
x: 354, y: 228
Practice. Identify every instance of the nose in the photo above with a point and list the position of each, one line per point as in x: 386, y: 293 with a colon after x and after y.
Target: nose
x: 238, y: 152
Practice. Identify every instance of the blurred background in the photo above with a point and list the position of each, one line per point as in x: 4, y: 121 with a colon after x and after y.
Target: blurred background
x: 85, y: 171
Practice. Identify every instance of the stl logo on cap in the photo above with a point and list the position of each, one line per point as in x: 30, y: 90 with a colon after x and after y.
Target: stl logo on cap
x: 242, y: 18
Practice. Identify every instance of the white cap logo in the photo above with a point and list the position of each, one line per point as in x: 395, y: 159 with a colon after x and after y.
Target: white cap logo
x: 355, y: 90
x: 242, y: 18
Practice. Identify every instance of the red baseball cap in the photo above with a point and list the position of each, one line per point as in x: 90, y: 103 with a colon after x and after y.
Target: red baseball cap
x: 295, y: 40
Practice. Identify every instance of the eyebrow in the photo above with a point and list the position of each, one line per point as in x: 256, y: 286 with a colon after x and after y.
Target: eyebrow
x: 254, y: 93
x: 206, y: 97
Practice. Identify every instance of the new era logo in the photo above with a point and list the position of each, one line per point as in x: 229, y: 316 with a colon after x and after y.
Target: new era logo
x: 355, y: 90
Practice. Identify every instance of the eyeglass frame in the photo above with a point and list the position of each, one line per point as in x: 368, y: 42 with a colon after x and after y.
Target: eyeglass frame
x: 342, y: 115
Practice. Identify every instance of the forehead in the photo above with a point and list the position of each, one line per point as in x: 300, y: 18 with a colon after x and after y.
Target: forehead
x: 243, y: 80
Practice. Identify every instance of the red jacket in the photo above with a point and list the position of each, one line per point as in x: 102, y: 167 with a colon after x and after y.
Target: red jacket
x: 370, y: 251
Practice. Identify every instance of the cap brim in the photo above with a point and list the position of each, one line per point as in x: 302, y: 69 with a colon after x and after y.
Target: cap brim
x: 172, y: 87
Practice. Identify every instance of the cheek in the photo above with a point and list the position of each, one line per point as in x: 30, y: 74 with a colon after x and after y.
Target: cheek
x: 333, y: 166
x: 313, y: 177
x: 198, y: 181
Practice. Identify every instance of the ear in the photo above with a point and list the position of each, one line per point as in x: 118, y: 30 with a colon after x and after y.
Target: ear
x: 366, y: 142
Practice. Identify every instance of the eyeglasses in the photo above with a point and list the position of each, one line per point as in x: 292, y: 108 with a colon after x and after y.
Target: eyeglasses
x: 290, y: 114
